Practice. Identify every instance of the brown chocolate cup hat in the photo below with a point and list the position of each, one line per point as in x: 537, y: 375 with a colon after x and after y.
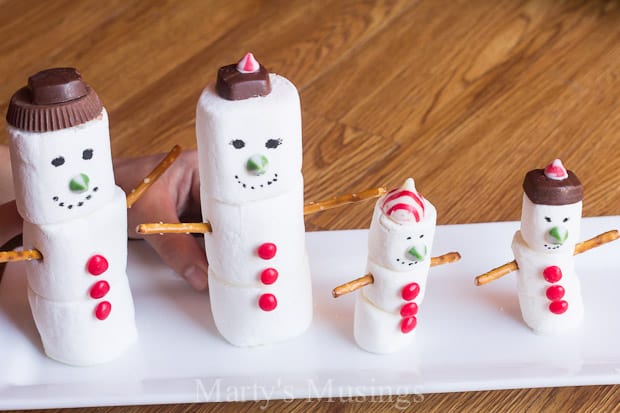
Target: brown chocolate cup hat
x: 542, y: 188
x: 54, y: 99
x: 244, y: 80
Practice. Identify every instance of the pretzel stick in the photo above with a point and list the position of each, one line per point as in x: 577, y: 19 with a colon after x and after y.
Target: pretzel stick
x: 511, y: 266
x: 312, y: 207
x: 27, y: 255
x: 159, y: 170
x: 358, y: 283
x: 182, y: 228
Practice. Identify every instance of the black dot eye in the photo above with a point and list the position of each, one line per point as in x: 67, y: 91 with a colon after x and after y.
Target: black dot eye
x: 237, y: 143
x: 58, y: 161
x: 565, y: 219
x: 273, y: 143
x: 547, y: 219
x: 408, y: 238
x: 421, y: 236
x: 87, y: 154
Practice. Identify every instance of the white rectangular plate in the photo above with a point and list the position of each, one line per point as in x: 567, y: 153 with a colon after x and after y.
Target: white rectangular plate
x: 468, y: 338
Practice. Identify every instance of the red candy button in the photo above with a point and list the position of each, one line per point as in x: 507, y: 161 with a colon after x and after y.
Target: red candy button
x: 409, y: 310
x: 269, y: 276
x: 267, y: 302
x: 103, y: 310
x: 552, y: 274
x: 267, y: 250
x: 99, y: 289
x: 558, y: 307
x: 555, y: 292
x: 97, y: 264
x: 410, y: 291
x: 408, y: 324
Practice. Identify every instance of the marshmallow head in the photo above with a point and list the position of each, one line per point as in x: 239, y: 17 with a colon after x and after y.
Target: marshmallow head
x: 550, y: 228
x: 62, y: 174
x: 249, y: 149
x: 402, y: 229
x: 551, y: 212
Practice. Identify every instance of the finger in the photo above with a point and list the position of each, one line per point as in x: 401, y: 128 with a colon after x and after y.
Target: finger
x: 10, y: 222
x: 181, y: 252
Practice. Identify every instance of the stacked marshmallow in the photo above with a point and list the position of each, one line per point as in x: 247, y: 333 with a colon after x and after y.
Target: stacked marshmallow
x: 75, y: 216
x: 548, y: 288
x: 399, y: 257
x: 250, y: 154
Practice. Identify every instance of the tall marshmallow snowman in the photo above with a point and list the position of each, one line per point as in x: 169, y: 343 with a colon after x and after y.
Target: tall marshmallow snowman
x: 399, y: 258
x: 74, y: 215
x: 248, y: 127
x: 548, y: 288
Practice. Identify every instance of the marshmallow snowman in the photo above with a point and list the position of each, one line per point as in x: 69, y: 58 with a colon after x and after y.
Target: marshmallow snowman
x: 399, y: 257
x: 248, y: 128
x: 74, y: 215
x: 548, y: 287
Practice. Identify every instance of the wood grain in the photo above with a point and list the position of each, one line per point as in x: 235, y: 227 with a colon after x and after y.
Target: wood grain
x: 465, y: 96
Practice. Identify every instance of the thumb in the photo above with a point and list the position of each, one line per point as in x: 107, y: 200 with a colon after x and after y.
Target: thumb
x: 181, y: 252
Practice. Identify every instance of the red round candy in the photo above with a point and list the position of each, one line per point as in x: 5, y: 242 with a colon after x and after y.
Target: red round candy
x: 552, y: 274
x: 267, y: 250
x: 267, y: 302
x: 408, y: 324
x: 558, y: 307
x: 99, y: 289
x: 97, y: 264
x: 269, y: 276
x: 555, y: 292
x: 409, y: 310
x: 102, y: 311
x: 410, y: 291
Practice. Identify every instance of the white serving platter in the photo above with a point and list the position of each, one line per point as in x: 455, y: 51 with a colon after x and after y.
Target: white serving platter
x: 468, y: 338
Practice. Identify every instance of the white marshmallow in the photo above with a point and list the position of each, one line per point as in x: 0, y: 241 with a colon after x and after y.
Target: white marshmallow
x: 41, y: 187
x: 377, y: 319
x: 538, y: 220
x: 250, y: 155
x: 532, y: 287
x: 254, y: 121
x: 73, y: 335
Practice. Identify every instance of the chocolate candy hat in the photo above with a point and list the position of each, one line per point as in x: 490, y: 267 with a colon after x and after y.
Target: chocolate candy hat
x: 243, y: 80
x: 53, y: 99
x: 553, y: 185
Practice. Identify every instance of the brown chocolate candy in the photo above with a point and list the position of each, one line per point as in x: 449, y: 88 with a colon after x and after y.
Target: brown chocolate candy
x: 234, y: 85
x: 544, y: 191
x: 54, y: 99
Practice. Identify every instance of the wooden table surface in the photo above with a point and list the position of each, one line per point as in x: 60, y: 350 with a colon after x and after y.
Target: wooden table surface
x: 465, y: 96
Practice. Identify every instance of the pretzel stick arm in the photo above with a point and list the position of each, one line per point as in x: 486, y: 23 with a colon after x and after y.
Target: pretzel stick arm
x: 159, y: 170
x: 182, y: 228
x: 353, y: 285
x: 358, y: 283
x: 312, y: 207
x: 12, y: 256
x: 445, y: 259
x: 584, y: 246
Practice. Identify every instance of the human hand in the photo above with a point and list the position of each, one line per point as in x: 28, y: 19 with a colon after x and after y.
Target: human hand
x: 174, y: 197
x: 10, y: 222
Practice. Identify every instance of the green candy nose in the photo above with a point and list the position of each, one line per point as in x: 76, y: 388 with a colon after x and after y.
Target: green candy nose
x: 257, y: 164
x: 557, y: 235
x: 418, y: 252
x: 79, y: 183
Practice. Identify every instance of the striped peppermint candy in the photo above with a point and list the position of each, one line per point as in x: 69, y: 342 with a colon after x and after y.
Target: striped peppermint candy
x: 404, y: 205
x: 556, y: 171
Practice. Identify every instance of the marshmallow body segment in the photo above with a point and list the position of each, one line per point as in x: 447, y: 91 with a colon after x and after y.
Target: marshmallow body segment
x: 399, y: 257
x: 250, y: 155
